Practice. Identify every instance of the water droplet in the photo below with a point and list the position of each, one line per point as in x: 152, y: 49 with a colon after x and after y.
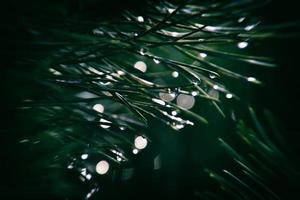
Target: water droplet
x: 84, y: 156
x: 140, y: 19
x: 88, y: 176
x: 140, y: 65
x: 240, y: 20
x: 24, y: 141
x: 202, y: 55
x: 95, y: 71
x: 174, y: 112
x: 140, y: 142
x: 189, y: 122
x: 212, y: 76
x: 210, y: 28
x: 135, y: 151
x: 185, y: 101
x: 121, y: 73
x: 175, y: 74
x: 194, y: 93
x: 89, y: 195
x: 216, y: 87
x: 98, y: 32
x: 249, y: 28
x: 177, y: 126
x: 174, y: 34
x: 102, y: 167
x: 106, y: 93
x: 156, y: 61
x: 54, y: 72
x: 229, y: 96
x: 251, y: 79
x: 199, y: 25
x: 109, y: 77
x: 159, y: 101
x: 70, y: 166
x: 83, y: 172
x: 105, y: 83
x: 242, y: 45
x: 98, y: 107
x: 170, y: 10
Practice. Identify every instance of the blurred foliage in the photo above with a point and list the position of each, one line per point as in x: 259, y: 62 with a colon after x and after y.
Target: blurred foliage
x: 91, y: 76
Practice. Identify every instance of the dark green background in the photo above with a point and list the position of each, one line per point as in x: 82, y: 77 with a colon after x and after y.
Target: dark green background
x: 184, y: 155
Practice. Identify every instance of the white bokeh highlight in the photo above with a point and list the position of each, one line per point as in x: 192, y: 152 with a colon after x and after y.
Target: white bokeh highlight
x: 229, y: 96
x: 175, y: 74
x: 102, y: 167
x: 98, y: 107
x: 141, y: 66
x: 140, y: 19
x: 242, y: 45
x: 140, y: 142
x: 185, y: 101
x: 84, y: 156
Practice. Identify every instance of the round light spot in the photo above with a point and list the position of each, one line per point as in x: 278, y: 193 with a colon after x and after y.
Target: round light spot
x: 242, y: 45
x: 185, y: 101
x: 84, y: 156
x: 140, y: 19
x: 98, y: 107
x: 202, y: 55
x: 216, y: 87
x: 140, y: 142
x: 102, y: 167
x: 70, y: 166
x: 175, y: 74
x: 229, y: 96
x: 135, y: 151
x: 140, y: 65
x: 174, y: 113
x: 194, y: 93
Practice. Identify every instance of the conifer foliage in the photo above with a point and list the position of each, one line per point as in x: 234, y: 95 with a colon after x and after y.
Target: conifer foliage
x: 96, y: 85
